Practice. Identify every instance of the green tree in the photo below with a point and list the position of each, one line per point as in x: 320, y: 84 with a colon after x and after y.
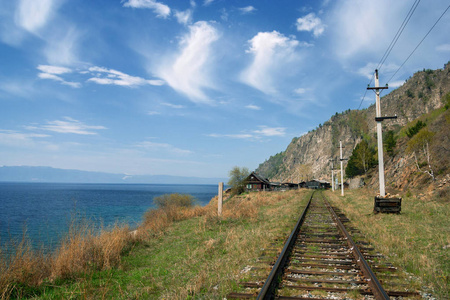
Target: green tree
x: 237, y: 179
x: 390, y: 142
x: 413, y: 130
x: 361, y: 160
x: 419, y: 147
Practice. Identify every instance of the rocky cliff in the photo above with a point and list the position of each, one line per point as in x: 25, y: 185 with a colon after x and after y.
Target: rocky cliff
x: 309, y: 156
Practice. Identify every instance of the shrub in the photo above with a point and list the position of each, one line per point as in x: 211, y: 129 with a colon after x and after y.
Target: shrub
x: 177, y: 200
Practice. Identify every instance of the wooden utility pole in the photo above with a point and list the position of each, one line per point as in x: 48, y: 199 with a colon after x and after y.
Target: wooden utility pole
x: 379, y: 119
x: 220, y: 200
x: 332, y: 174
x: 342, y: 170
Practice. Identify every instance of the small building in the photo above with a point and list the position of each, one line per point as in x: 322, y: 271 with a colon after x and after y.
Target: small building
x: 317, y: 184
x: 255, y: 182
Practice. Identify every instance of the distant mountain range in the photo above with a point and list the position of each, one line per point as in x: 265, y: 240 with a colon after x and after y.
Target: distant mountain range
x: 48, y: 174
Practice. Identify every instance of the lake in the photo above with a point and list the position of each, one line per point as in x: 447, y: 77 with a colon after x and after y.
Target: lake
x: 45, y: 209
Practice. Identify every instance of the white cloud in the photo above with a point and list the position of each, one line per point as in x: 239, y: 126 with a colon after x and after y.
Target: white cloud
x: 62, y: 45
x: 52, y: 72
x: 176, y: 106
x: 443, y: 48
x: 247, y: 9
x: 160, y: 9
x: 253, y: 107
x: 113, y: 77
x: 59, y: 79
x: 270, y: 50
x: 184, y: 17
x: 153, y: 113
x: 32, y: 15
x: 53, y: 69
x: 310, y: 23
x: 18, y: 139
x: 396, y: 84
x: 188, y: 73
x: 271, y: 131
x: 244, y: 136
x: 300, y: 91
x: 264, y: 131
x: 207, y: 2
x: 369, y: 69
x: 151, y: 146
x: 68, y: 125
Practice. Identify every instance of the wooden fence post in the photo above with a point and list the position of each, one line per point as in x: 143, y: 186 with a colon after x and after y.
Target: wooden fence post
x: 219, y: 205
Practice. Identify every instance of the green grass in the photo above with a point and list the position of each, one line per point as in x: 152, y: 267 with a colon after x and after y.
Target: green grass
x: 416, y: 240
x: 198, y: 258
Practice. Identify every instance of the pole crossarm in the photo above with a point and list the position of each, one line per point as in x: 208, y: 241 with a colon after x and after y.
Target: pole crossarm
x: 379, y: 119
x: 377, y: 88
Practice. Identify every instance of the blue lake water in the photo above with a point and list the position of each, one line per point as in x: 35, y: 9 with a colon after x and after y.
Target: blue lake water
x: 45, y: 209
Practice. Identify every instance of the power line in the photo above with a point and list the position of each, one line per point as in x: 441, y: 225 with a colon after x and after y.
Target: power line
x: 392, y: 44
x: 418, y: 44
x: 397, y: 35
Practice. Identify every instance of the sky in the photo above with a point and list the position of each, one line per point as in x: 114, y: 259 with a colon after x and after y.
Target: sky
x: 193, y: 88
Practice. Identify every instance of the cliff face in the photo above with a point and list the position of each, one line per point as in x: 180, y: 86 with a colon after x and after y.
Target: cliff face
x: 309, y: 155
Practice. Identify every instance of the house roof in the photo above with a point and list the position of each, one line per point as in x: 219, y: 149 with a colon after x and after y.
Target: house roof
x: 258, y: 177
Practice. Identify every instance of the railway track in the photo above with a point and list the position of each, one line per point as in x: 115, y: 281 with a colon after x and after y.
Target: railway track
x: 324, y: 259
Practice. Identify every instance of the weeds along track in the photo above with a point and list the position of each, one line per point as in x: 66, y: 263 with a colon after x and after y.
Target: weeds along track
x: 323, y: 259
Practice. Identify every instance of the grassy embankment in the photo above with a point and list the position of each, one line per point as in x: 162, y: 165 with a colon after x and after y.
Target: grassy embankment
x: 177, y: 253
x: 417, y: 240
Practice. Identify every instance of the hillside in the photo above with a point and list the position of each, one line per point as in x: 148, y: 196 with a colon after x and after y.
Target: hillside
x: 420, y: 96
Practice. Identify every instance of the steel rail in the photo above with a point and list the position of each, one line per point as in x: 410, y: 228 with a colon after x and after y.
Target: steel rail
x: 374, y: 283
x: 270, y: 285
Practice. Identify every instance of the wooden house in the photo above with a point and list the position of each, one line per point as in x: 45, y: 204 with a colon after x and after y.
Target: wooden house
x: 255, y: 182
x: 318, y: 184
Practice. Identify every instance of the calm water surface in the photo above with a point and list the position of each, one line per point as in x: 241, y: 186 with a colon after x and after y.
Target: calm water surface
x: 45, y: 209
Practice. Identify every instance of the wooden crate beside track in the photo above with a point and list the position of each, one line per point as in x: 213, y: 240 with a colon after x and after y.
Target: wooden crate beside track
x: 387, y: 205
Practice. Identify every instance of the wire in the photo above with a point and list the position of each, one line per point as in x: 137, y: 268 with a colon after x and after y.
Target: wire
x: 392, y: 44
x: 419, y: 44
x: 397, y: 35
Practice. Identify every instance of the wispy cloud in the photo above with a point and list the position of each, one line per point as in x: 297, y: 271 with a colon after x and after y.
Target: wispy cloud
x: 62, y: 45
x: 67, y: 125
x: 189, y: 71
x: 161, y: 10
x: 300, y: 91
x: 151, y: 146
x: 113, y: 77
x: 247, y: 9
x: 176, y: 106
x: 271, y: 51
x: 310, y: 23
x: 264, y: 131
x: 207, y: 2
x: 369, y: 69
x: 271, y: 131
x: 14, y: 138
x: 253, y: 107
x: 32, y: 15
x: 443, y: 48
x: 184, y: 17
x: 52, y: 72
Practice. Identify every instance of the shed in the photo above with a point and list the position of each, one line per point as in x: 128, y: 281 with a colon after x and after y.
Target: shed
x: 318, y: 184
x: 255, y: 182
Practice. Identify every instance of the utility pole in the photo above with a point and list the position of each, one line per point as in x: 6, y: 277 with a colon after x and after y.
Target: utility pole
x: 379, y: 119
x: 342, y: 172
x: 332, y: 174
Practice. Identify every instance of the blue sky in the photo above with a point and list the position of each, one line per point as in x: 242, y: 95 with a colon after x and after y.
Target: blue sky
x: 192, y: 88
